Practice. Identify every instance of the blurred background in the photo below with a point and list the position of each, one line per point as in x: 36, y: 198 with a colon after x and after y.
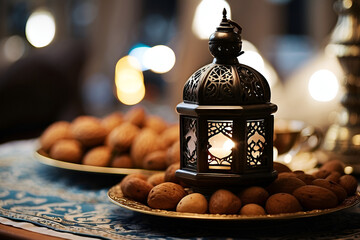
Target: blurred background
x: 62, y: 59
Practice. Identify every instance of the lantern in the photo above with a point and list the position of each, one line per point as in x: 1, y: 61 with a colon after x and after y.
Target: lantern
x: 226, y: 121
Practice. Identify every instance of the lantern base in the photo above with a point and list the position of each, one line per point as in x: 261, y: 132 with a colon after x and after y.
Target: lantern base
x: 213, y: 181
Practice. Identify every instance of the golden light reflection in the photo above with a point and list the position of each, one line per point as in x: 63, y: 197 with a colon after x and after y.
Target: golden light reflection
x: 128, y: 62
x: 343, y: 133
x: 129, y: 81
x: 356, y: 139
x: 347, y: 4
x: 40, y: 28
x: 348, y: 170
x: 131, y: 98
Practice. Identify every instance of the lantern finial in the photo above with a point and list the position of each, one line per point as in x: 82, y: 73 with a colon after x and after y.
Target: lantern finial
x: 225, y: 43
x: 224, y: 13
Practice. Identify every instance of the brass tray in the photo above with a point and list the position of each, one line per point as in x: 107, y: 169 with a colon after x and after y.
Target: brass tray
x: 116, y: 196
x: 42, y: 157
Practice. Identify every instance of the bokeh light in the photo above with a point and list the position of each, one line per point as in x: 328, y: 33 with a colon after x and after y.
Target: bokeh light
x: 131, y: 98
x: 207, y: 17
x: 40, y: 28
x: 14, y: 48
x: 159, y: 59
x: 138, y: 52
x: 252, y: 57
x: 129, y: 81
x: 323, y: 85
x: 127, y: 62
x: 348, y: 170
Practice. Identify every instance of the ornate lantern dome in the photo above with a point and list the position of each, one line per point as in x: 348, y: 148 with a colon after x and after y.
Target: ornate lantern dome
x: 226, y: 121
x: 226, y: 81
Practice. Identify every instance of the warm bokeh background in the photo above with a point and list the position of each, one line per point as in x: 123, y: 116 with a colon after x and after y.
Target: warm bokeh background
x: 61, y: 59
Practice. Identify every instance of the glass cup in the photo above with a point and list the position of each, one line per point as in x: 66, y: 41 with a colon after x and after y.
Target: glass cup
x: 292, y: 137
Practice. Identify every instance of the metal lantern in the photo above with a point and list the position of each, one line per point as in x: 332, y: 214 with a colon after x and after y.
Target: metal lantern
x: 226, y: 121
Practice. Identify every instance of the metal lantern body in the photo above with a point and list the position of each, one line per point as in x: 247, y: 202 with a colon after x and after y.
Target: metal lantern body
x: 226, y: 121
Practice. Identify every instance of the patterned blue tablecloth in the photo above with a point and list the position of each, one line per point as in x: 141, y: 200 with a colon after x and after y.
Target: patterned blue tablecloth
x: 74, y: 202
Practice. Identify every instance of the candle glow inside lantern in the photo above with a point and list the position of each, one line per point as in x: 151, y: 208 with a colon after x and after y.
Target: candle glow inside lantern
x: 226, y: 121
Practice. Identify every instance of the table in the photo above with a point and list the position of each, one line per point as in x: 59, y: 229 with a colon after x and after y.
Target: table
x: 75, y: 205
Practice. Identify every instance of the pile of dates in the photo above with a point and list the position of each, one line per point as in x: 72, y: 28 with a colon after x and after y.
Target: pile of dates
x: 290, y: 192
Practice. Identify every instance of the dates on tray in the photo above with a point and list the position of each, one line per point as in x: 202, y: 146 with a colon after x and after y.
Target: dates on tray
x: 132, y: 139
x: 285, y: 195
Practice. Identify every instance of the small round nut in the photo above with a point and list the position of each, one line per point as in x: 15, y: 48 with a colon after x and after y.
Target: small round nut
x: 333, y: 165
x: 88, y: 130
x: 306, y: 178
x: 165, y: 196
x: 136, y: 189
x: 134, y: 175
x: 279, y: 167
x: 170, y: 173
x: 136, y: 116
x: 333, y: 176
x: 315, y: 197
x: 156, y: 123
x: 155, y: 160
x: 193, y: 203
x: 285, y: 185
x: 68, y: 150
x: 122, y: 136
x: 173, y: 153
x: 332, y: 186
x: 254, y: 194
x: 252, y: 209
x: 145, y: 142
x: 169, y: 136
x: 53, y: 133
x: 156, y: 178
x: 98, y: 156
x: 349, y: 183
x: 282, y: 203
x: 323, y: 173
x: 122, y: 161
x: 112, y: 120
x: 224, y: 202
x: 286, y: 174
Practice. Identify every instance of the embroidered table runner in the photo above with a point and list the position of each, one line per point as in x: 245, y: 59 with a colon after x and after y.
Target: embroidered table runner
x: 77, y: 203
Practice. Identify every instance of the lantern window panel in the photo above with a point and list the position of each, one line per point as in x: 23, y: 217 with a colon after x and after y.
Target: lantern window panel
x: 190, y: 146
x: 256, y: 143
x: 220, y: 144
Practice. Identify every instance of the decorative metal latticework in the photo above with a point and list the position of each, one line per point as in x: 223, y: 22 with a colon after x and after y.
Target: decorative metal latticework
x: 218, y: 133
x: 191, y: 86
x: 226, y: 84
x: 190, y: 142
x: 219, y: 84
x: 255, y: 143
x: 252, y: 88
